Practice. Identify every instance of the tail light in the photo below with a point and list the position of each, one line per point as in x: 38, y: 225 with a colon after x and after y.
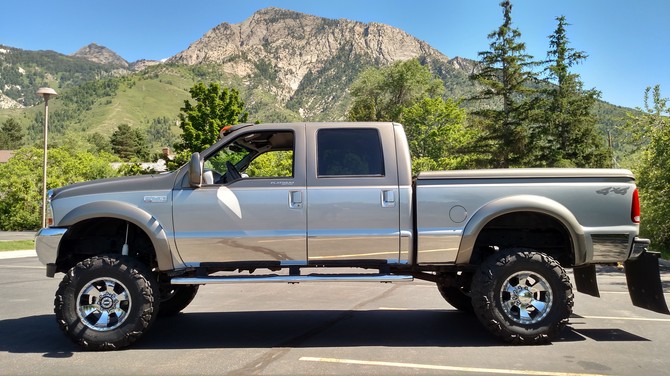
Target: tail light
x: 635, y: 208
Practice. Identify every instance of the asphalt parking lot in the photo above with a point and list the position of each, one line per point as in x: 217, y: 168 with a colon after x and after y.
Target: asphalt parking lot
x: 337, y: 328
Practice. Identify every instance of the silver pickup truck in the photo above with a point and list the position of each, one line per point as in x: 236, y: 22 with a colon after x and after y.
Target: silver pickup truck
x: 281, y: 202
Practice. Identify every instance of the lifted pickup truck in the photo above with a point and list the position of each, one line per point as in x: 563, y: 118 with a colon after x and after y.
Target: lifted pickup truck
x: 285, y: 199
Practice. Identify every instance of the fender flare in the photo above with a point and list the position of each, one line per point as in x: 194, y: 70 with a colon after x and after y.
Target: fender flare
x: 124, y: 211
x: 521, y: 203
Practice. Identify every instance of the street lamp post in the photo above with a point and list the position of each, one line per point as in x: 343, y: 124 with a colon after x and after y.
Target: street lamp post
x: 46, y: 93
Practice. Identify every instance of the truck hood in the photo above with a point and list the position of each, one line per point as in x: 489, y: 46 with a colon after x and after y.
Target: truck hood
x: 122, y: 184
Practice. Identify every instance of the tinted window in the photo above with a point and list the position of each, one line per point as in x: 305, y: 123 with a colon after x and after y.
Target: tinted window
x: 349, y: 152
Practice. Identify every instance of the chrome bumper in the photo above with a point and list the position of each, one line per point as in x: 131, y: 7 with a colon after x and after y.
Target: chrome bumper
x: 640, y: 245
x: 46, y: 246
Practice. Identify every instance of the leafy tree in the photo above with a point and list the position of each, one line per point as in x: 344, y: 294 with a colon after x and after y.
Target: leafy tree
x: 11, y: 135
x: 652, y: 126
x: 214, y: 108
x: 381, y: 94
x: 505, y: 76
x: 437, y: 135
x: 129, y: 143
x: 567, y: 124
x: 272, y: 164
x: 21, y: 187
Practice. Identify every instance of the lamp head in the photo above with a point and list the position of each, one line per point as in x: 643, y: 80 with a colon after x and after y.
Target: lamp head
x: 46, y: 93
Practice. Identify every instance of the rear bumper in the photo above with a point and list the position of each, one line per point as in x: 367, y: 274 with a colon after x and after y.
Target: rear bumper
x: 643, y: 277
x: 47, y: 241
x: 640, y: 245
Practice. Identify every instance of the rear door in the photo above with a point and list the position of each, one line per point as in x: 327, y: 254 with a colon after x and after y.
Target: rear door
x: 352, y: 194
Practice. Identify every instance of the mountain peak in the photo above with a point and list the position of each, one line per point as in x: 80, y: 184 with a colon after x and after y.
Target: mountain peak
x: 101, y: 55
x: 288, y: 46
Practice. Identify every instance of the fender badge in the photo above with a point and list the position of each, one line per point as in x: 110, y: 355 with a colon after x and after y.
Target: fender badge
x: 155, y: 199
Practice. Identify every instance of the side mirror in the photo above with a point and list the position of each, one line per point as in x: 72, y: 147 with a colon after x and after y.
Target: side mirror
x: 195, y: 171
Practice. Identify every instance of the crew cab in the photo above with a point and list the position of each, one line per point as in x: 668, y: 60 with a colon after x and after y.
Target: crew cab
x: 285, y: 202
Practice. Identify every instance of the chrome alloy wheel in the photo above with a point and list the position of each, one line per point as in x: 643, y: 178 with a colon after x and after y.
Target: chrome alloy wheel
x: 526, y: 297
x: 103, y: 304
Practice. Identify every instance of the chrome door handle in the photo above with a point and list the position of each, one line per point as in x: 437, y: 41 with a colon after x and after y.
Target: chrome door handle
x: 295, y: 199
x: 388, y: 198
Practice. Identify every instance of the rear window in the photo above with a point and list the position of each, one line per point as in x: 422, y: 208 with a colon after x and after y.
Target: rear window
x: 349, y: 152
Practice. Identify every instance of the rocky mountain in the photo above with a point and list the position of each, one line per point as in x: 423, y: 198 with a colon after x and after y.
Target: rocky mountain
x: 304, y: 62
x: 297, y: 52
x: 101, y: 55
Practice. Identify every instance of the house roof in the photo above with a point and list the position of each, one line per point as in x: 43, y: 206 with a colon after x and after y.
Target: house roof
x: 5, y: 155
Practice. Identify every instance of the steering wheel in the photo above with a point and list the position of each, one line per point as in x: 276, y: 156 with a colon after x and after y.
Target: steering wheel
x: 232, y: 174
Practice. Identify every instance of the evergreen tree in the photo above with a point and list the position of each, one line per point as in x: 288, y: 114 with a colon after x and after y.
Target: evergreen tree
x: 568, y: 126
x: 11, y: 135
x: 129, y: 144
x: 505, y: 76
x: 201, y: 122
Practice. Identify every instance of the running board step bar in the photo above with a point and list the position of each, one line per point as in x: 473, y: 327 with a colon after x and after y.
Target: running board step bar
x: 292, y: 279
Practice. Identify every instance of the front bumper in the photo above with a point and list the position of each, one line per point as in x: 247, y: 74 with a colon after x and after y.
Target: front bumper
x: 47, y: 241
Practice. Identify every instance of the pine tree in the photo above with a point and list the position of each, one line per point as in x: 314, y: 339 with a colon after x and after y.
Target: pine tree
x: 568, y: 126
x: 11, y: 135
x: 129, y: 143
x: 506, y: 76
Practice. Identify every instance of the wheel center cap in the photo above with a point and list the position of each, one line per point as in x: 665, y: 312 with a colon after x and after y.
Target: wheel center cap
x: 106, y: 302
x: 525, y: 297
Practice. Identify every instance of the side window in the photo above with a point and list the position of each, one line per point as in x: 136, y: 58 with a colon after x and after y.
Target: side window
x: 349, y: 152
x: 252, y: 155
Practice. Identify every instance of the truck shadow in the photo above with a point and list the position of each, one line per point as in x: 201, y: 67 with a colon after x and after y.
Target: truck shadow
x: 293, y: 328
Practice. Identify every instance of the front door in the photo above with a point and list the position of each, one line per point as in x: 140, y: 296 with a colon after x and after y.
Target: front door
x: 251, y: 206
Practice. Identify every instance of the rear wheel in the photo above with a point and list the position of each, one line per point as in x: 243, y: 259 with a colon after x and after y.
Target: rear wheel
x: 522, y: 296
x: 106, y: 302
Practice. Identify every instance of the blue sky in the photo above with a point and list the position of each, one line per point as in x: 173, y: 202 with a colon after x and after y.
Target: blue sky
x: 627, y: 41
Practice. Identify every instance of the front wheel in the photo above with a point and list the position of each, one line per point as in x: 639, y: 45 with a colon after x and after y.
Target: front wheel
x: 106, y: 302
x: 522, y: 296
x: 174, y: 298
x: 455, y: 289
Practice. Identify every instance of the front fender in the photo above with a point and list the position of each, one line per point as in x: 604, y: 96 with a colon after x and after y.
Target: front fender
x: 521, y: 203
x: 122, y: 210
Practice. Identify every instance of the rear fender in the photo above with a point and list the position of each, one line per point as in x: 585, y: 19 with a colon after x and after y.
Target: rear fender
x: 521, y: 203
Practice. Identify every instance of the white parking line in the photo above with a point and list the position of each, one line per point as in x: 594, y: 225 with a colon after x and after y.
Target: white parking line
x: 17, y: 254
x: 580, y: 316
x: 442, y: 368
x: 21, y: 267
x: 623, y: 318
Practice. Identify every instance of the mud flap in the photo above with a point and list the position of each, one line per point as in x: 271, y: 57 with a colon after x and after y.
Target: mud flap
x: 585, y: 280
x: 644, y: 283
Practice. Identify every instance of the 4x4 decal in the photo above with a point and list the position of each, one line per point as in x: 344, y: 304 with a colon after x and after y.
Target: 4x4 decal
x: 619, y: 191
